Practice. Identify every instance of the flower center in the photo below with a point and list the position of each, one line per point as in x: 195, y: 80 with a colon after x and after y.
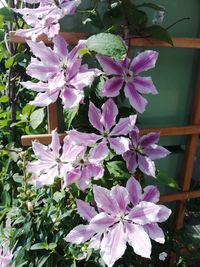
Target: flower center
x: 138, y: 149
x: 58, y: 160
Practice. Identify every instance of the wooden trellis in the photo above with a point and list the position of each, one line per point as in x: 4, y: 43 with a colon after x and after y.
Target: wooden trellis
x: 192, y: 130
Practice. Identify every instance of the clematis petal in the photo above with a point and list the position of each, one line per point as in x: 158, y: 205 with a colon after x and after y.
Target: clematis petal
x: 144, y: 213
x: 156, y: 152
x: 119, y: 144
x: 137, y: 101
x: 45, y: 99
x: 38, y: 87
x: 96, y: 171
x: 124, y: 126
x: 121, y: 195
x: 46, y: 178
x: 44, y: 53
x: 85, y: 210
x: 38, y: 166
x: 41, y: 72
x: 163, y: 214
x: 101, y: 222
x: 58, y: 81
x: 112, y: 87
x: 109, y: 113
x: 71, y: 97
x: 131, y: 161
x: 71, y: 177
x: 151, y: 194
x: 71, y: 150
x: 138, y: 239
x: 79, y: 234
x: 110, y: 65
x: 95, y: 242
x: 94, y: 115
x: 144, y: 61
x: 83, y: 79
x: 134, y: 190
x: 144, y: 85
x: 155, y: 232
x: 149, y: 139
x: 113, y: 245
x: 43, y: 152
x: 84, y: 180
x: 83, y: 138
x: 134, y: 135
x: 146, y: 165
x: 104, y: 200
x: 55, y: 143
x: 98, y: 153
x: 60, y: 47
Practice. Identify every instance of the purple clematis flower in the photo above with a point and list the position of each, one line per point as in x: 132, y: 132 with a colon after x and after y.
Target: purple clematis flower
x: 104, y: 121
x: 59, y: 73
x: 124, y: 215
x: 83, y: 168
x: 143, y: 150
x: 69, y: 162
x: 51, y: 162
x: 45, y: 17
x: 126, y: 73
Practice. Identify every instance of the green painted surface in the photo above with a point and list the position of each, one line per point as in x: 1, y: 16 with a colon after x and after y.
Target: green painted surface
x: 170, y: 165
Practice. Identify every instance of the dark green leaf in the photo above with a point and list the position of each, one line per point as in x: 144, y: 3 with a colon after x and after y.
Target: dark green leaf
x: 118, y: 169
x: 4, y: 99
x: 43, y: 260
x: 164, y: 178
x: 9, y: 62
x: 107, y: 44
x: 39, y: 246
x: 37, y: 118
x: 52, y: 246
x: 69, y: 115
x: 152, y: 6
x: 160, y: 33
x: 6, y: 14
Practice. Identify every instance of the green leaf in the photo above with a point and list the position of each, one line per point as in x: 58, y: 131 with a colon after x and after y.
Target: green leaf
x: 160, y: 33
x: 39, y: 246
x: 6, y: 200
x: 6, y: 14
x: 37, y: 118
x: 52, y: 246
x: 4, y: 99
x: 164, y: 178
x: 43, y: 260
x: 118, y: 169
x: 137, y: 18
x: 152, y: 6
x: 107, y: 44
x: 58, y: 196
x: 69, y: 115
x: 9, y: 62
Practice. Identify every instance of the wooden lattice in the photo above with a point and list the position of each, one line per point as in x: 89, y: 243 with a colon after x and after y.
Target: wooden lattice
x: 192, y: 130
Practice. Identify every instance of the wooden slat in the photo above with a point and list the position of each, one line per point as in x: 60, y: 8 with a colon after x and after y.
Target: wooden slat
x: 179, y: 196
x: 177, y: 41
x: 170, y: 131
x: 74, y: 37
x: 42, y: 138
x: 52, y: 117
x: 70, y: 37
x: 173, y: 131
x: 190, y: 154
